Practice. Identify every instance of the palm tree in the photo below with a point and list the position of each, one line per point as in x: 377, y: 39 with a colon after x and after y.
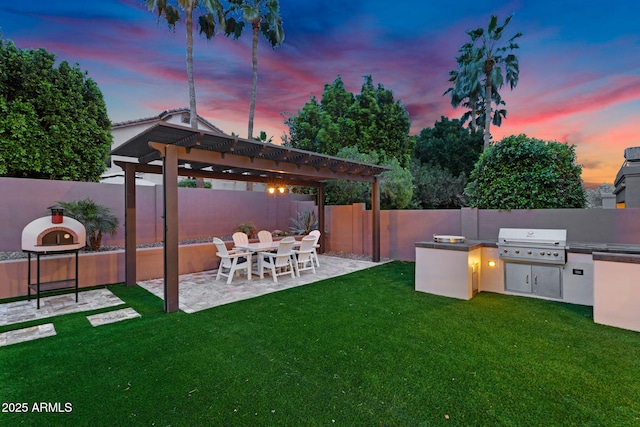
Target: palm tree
x: 466, y: 90
x: 491, y: 58
x: 264, y: 17
x: 207, y: 23
x: 97, y: 219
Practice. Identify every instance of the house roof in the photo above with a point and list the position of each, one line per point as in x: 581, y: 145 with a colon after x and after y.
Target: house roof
x: 163, y: 116
x: 226, y: 157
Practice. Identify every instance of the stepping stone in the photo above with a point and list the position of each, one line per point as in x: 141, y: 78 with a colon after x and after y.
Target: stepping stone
x: 112, y: 316
x: 27, y: 334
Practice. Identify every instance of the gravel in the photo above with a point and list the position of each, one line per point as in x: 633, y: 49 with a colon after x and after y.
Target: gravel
x: 10, y: 255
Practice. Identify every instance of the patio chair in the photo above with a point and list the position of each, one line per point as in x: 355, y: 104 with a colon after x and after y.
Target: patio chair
x: 232, y: 261
x: 316, y: 234
x: 281, y: 260
x: 240, y: 239
x: 304, y: 255
x: 265, y: 236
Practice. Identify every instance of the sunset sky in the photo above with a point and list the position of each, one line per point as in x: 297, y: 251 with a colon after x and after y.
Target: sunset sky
x: 579, y: 63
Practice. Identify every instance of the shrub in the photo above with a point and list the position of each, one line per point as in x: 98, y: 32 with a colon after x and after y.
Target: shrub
x: 191, y: 183
x: 248, y: 228
x: 526, y: 173
x: 305, y: 223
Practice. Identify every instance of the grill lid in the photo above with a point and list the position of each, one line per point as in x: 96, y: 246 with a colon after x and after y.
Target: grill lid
x: 532, y: 237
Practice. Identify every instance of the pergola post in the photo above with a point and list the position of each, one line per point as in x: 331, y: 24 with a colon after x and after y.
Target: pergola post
x: 171, y: 270
x: 321, y: 223
x: 130, y: 223
x: 375, y: 220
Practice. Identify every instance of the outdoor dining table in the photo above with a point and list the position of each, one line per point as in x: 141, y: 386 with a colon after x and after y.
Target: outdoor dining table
x: 264, y: 247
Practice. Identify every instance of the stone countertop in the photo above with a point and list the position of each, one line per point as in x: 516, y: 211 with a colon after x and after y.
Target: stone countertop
x: 575, y: 247
x: 465, y: 246
x: 613, y: 248
x: 627, y: 258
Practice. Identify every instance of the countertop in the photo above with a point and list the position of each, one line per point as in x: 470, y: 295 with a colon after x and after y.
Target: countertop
x: 575, y: 247
x: 465, y: 246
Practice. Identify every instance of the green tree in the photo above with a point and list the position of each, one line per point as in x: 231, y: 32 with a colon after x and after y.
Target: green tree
x: 371, y: 127
x: 467, y: 90
x: 449, y: 145
x: 526, y: 173
x: 213, y: 15
x: 488, y: 58
x: 372, y: 120
x: 435, y: 187
x: 396, y: 189
x: 264, y: 18
x: 594, y: 197
x: 53, y: 120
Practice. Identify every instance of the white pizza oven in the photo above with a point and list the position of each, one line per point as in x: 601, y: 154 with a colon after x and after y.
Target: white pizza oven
x: 53, y: 233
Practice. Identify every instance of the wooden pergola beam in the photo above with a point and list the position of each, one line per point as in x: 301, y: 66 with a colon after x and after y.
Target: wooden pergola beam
x: 273, y: 166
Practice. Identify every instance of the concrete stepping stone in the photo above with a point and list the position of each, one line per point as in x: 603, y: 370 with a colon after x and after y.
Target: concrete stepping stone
x: 27, y: 334
x: 26, y: 311
x: 112, y: 316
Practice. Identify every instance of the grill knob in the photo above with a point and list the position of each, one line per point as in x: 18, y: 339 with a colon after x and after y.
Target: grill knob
x: 541, y: 252
x: 529, y: 252
x: 555, y: 254
x: 505, y: 251
x: 517, y: 251
x: 549, y: 253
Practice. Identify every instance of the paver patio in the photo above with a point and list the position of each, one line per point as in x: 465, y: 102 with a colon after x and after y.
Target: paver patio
x: 199, y: 291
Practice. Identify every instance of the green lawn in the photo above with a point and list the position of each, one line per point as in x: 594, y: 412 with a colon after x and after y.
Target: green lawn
x: 359, y: 350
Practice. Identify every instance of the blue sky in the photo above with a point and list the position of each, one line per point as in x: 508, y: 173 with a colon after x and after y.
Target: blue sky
x: 579, y: 63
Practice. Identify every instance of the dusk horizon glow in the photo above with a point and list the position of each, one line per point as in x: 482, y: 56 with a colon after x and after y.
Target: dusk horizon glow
x: 579, y: 64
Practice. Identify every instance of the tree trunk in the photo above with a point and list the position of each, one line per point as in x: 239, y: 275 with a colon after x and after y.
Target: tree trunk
x: 487, y: 111
x: 95, y: 241
x: 255, y: 25
x: 473, y: 115
x: 193, y: 114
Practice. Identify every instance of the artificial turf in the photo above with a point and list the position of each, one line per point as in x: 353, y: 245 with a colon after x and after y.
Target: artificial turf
x: 363, y: 349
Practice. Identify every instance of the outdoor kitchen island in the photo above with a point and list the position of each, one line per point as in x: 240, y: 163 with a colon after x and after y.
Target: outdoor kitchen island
x: 604, y: 276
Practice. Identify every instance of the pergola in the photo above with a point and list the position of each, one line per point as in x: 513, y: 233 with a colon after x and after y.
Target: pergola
x: 196, y: 153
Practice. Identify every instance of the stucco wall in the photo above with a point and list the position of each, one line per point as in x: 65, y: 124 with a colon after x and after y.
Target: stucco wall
x: 202, y: 212
x: 348, y: 228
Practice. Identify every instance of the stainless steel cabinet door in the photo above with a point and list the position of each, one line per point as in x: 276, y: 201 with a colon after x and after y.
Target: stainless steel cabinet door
x: 517, y: 277
x: 547, y: 281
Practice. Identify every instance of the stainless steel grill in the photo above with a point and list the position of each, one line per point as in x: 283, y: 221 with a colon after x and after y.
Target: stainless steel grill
x: 542, y: 246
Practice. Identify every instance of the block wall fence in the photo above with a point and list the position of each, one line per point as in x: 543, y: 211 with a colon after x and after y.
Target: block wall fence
x: 205, y: 213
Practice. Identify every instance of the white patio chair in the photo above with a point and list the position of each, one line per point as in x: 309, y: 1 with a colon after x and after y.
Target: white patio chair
x: 316, y: 234
x: 265, y: 236
x: 304, y: 255
x: 240, y: 239
x: 233, y: 261
x: 281, y: 260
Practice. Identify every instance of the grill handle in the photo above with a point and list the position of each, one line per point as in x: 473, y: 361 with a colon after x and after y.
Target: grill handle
x: 524, y: 241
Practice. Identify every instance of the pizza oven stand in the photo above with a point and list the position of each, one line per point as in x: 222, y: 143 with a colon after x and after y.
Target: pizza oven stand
x: 42, y: 287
